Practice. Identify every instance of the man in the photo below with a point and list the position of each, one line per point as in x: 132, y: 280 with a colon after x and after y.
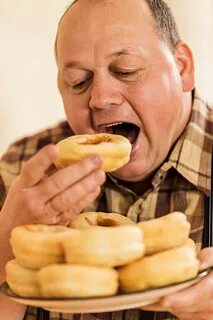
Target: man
x: 122, y: 68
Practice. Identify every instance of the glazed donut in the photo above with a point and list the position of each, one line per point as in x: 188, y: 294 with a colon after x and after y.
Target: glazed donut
x: 63, y: 280
x: 104, y: 246
x: 166, y: 232
x: 21, y: 280
x: 35, y: 246
x: 160, y: 269
x: 88, y: 219
x: 113, y: 149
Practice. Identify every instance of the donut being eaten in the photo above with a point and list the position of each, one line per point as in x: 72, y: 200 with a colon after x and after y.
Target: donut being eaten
x: 113, y: 149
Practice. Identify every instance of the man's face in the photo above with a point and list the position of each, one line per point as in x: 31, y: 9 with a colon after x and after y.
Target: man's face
x: 117, y: 76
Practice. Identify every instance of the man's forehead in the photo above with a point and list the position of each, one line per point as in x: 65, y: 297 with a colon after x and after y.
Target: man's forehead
x: 109, y: 23
x: 122, y: 4
x: 82, y: 10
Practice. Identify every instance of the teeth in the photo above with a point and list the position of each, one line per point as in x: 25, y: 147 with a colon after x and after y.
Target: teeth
x: 113, y: 124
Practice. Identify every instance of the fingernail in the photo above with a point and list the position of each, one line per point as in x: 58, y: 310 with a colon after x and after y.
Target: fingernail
x: 100, y: 176
x: 96, y: 160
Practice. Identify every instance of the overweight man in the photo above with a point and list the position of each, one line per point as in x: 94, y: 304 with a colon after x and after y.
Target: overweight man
x: 122, y: 69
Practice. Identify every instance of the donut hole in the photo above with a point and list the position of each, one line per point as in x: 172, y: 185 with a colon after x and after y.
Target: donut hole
x: 102, y: 222
x: 106, y: 222
x: 96, y: 140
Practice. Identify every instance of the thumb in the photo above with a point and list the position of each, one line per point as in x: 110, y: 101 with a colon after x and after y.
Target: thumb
x: 206, y: 258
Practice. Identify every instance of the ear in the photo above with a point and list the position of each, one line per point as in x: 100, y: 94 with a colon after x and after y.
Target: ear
x: 185, y: 62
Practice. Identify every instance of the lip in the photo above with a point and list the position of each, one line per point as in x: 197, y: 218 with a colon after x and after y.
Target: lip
x: 102, y: 127
x: 136, y: 145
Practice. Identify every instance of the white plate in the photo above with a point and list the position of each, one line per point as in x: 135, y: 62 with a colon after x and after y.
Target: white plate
x: 103, y: 304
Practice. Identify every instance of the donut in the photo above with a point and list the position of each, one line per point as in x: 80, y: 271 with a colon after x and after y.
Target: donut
x: 63, y: 280
x: 160, y: 269
x: 189, y: 242
x: 88, y: 219
x: 166, y: 232
x: 21, y: 280
x: 104, y: 246
x: 113, y: 149
x: 35, y: 246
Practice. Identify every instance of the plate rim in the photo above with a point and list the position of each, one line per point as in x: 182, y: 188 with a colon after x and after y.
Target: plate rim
x: 5, y: 290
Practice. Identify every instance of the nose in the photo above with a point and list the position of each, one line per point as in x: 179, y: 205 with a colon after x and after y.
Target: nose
x: 105, y: 93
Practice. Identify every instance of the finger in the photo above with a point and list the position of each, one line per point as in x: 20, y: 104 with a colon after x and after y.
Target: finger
x: 194, y: 316
x: 66, y: 177
x: 49, y: 217
x: 33, y: 170
x: 193, y: 299
x: 186, y: 316
x: 206, y: 258
x: 88, y: 200
x: 77, y: 192
x: 68, y: 216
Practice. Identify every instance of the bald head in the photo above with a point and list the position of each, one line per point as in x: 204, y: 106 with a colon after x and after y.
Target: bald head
x: 163, y: 20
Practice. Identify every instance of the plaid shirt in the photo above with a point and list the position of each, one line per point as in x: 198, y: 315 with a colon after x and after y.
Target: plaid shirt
x: 181, y: 184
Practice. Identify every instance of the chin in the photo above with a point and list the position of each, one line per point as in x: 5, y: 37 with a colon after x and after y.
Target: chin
x: 133, y: 172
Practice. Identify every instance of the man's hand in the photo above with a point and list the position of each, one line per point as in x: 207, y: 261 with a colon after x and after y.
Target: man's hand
x: 36, y: 198
x: 194, y: 303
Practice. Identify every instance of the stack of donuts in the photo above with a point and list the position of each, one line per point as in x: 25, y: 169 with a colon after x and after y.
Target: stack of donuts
x: 100, y: 254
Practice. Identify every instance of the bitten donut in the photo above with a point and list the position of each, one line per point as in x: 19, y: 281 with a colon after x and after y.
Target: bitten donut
x: 35, y: 246
x: 159, y: 269
x: 104, y: 246
x: 21, y: 280
x: 89, y: 219
x: 113, y: 149
x: 166, y: 232
x: 77, y: 281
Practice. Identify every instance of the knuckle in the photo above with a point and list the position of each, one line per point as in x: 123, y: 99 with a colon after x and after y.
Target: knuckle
x: 62, y: 202
x: 48, y: 152
x: 56, y: 184
x: 26, y: 170
x: 75, y: 209
x: 87, y: 165
x: 88, y: 184
x: 47, y: 219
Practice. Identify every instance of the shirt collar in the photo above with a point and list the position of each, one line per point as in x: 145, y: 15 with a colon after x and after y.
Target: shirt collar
x: 191, y: 155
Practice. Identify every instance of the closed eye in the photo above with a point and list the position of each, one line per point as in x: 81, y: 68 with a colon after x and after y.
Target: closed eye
x: 81, y: 86
x: 125, y: 73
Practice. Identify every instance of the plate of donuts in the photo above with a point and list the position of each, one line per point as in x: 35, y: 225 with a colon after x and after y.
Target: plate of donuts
x: 103, y: 304
x: 104, y: 262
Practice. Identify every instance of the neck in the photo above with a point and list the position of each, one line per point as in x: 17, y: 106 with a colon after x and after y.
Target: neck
x: 139, y: 187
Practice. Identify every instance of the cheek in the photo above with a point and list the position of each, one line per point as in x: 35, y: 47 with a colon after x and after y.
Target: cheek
x: 77, y: 113
x: 158, y: 104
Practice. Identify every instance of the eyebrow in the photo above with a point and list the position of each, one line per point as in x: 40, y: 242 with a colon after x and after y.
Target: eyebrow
x: 76, y: 64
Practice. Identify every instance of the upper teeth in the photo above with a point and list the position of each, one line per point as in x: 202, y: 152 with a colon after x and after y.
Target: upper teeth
x: 113, y: 124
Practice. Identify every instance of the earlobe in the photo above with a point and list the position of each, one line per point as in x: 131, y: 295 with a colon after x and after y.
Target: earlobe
x: 185, y: 62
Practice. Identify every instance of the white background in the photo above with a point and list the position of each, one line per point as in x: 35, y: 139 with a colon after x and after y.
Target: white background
x: 29, y: 99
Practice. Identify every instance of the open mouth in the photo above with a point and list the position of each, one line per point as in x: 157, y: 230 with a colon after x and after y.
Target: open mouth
x: 126, y: 129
